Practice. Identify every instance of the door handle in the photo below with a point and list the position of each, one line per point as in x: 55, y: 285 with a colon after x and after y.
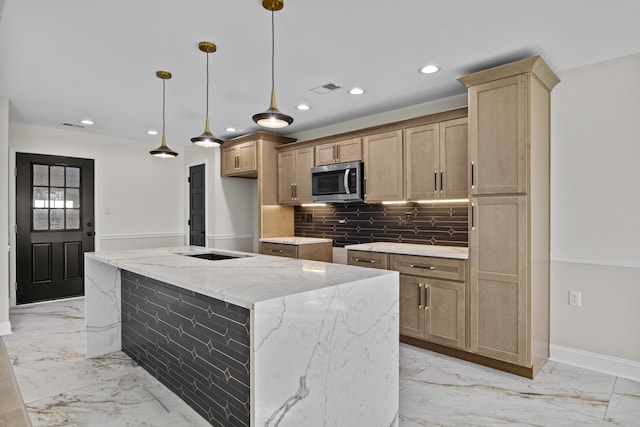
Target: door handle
x: 90, y: 233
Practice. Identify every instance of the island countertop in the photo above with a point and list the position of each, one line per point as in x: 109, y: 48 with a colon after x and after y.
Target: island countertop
x: 243, y: 281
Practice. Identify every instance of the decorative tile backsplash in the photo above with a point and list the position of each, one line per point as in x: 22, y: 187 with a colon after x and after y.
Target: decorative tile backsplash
x: 354, y: 223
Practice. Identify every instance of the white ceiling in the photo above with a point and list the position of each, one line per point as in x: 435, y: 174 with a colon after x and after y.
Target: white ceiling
x: 66, y: 60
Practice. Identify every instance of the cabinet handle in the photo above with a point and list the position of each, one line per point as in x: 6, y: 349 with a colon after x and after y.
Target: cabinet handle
x: 420, y: 296
x: 435, y: 180
x: 426, y: 297
x: 278, y: 251
x: 337, y: 153
x: 291, y: 191
x: 370, y: 261
x: 441, y: 179
x: 295, y: 191
x: 473, y: 216
x: 473, y: 175
x: 430, y: 267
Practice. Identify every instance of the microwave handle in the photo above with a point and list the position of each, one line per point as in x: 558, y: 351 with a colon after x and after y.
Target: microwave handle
x: 346, y: 181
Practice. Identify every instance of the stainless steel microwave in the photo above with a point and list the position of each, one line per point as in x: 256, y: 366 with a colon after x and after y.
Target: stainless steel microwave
x: 338, y: 183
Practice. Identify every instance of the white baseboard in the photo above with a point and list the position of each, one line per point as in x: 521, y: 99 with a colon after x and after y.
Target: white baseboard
x: 596, y: 362
x: 5, y: 328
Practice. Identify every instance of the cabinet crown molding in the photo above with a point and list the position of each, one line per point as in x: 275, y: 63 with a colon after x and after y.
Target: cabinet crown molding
x: 534, y: 65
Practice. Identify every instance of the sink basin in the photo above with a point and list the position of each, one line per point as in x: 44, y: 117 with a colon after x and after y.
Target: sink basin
x: 213, y: 256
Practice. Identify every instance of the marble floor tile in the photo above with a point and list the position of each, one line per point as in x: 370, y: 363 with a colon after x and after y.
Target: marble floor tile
x: 62, y: 388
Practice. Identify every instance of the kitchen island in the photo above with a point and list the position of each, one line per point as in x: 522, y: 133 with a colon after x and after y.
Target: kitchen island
x: 252, y: 340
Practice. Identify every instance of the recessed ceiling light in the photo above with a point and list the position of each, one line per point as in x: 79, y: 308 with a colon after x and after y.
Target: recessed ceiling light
x: 152, y: 132
x: 303, y: 107
x: 356, y: 91
x: 429, y: 69
x: 231, y: 129
x: 86, y: 122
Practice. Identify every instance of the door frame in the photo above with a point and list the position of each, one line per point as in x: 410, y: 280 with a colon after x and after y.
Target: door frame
x: 187, y: 168
x: 12, y: 209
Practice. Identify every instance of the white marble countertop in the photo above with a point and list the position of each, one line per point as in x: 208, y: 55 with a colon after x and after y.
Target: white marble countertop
x: 294, y: 240
x: 413, y: 249
x: 242, y: 281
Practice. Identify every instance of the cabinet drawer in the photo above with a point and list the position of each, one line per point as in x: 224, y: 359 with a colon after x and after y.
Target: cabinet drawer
x: 278, y: 249
x: 437, y: 268
x: 368, y: 259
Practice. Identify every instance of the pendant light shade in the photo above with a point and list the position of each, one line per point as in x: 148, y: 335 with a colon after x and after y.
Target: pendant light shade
x: 163, y: 151
x: 272, y: 117
x: 207, y: 139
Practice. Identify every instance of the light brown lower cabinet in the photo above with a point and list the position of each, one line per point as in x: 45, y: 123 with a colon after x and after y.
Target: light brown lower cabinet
x: 311, y: 251
x: 433, y: 303
x: 433, y: 294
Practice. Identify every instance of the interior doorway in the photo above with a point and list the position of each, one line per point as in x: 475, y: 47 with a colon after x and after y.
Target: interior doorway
x: 55, y: 225
x: 197, y: 214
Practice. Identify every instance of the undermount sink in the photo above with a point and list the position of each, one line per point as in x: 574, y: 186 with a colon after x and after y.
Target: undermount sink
x: 213, y: 256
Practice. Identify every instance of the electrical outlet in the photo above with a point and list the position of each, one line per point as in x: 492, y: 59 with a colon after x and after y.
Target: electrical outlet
x: 575, y: 298
x: 408, y: 217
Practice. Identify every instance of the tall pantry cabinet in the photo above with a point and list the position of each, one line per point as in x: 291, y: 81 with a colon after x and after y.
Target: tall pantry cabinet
x: 509, y: 127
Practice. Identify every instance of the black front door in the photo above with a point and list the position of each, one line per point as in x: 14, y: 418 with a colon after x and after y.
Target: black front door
x: 55, y: 226
x: 197, y: 231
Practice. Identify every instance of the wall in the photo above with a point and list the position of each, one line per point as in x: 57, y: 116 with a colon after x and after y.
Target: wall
x: 138, y: 198
x: 594, y: 212
x: 231, y: 203
x: 5, y: 326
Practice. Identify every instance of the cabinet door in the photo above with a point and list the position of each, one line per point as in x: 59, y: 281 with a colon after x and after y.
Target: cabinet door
x: 247, y: 157
x: 445, y: 313
x: 325, y: 154
x: 411, y: 306
x: 304, y: 163
x: 498, y: 278
x: 384, y: 167
x: 286, y: 176
x: 498, y: 136
x: 229, y: 161
x: 349, y: 150
x: 454, y: 158
x: 422, y: 161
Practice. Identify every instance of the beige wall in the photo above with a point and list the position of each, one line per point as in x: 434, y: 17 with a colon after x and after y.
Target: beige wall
x: 138, y: 198
x: 4, y: 216
x: 595, y: 206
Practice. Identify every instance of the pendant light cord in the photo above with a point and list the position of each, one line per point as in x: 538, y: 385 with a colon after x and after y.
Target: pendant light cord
x: 273, y: 55
x: 207, y: 85
x: 163, y: 99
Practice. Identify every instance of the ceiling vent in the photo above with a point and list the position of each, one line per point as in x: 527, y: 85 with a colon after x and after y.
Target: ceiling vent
x: 325, y: 88
x: 71, y: 125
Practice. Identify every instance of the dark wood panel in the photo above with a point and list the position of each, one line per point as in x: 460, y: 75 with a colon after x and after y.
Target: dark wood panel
x: 41, y: 265
x: 72, y: 260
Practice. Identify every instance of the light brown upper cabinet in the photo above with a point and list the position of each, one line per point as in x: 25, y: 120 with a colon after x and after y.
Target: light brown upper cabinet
x: 509, y: 149
x: 349, y: 150
x: 500, y: 129
x: 294, y: 176
x: 436, y: 157
x: 383, y: 156
x: 239, y: 160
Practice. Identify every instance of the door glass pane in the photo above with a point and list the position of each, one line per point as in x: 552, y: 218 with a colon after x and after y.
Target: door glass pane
x: 41, y: 219
x: 72, y: 200
x: 40, y: 197
x: 56, y: 219
x: 56, y: 198
x: 57, y: 176
x: 73, y: 177
x: 40, y: 175
x: 73, y: 219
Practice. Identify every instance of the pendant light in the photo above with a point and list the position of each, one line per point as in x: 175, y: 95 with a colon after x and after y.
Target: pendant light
x: 163, y: 151
x: 272, y: 117
x: 207, y: 139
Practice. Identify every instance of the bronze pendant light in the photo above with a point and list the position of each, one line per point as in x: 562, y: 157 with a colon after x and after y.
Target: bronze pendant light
x: 272, y: 117
x: 163, y: 151
x: 207, y: 139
